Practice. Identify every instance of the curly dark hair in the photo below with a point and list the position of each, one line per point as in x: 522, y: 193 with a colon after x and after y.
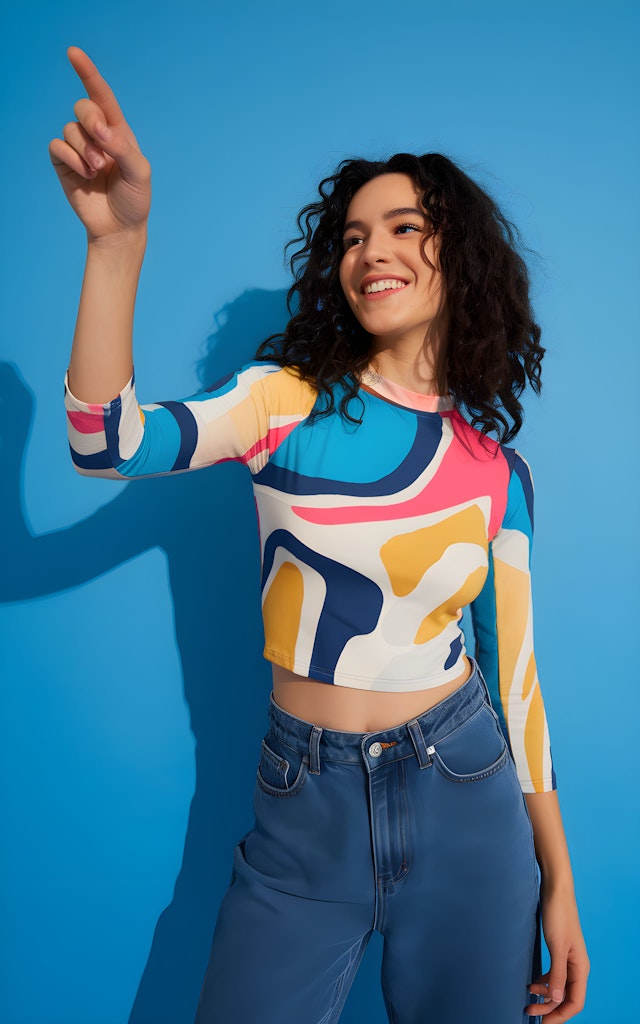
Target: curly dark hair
x: 492, y: 346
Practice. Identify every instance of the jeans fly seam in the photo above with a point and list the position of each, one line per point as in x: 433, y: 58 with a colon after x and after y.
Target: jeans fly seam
x: 402, y: 800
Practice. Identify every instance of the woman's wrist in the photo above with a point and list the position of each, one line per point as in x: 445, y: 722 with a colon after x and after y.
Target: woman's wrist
x: 553, y: 887
x: 132, y: 240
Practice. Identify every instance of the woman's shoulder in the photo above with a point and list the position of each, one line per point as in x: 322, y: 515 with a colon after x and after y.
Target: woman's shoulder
x: 485, y: 446
x: 258, y: 372
x: 283, y: 389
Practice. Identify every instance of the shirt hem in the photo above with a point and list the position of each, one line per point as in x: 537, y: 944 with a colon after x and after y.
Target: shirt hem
x: 531, y: 786
x: 376, y: 684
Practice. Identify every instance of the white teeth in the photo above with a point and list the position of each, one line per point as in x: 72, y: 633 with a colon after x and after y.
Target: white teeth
x: 381, y: 286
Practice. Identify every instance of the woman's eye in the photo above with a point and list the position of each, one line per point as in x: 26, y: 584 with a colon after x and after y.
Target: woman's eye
x: 404, y: 228
x: 399, y: 229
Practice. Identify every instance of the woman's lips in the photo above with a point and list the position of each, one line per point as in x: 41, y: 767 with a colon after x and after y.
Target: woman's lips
x: 384, y: 293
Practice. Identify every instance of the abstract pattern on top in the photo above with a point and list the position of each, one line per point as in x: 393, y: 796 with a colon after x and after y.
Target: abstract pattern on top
x: 374, y: 536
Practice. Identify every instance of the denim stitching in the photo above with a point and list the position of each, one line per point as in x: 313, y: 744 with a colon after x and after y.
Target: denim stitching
x: 461, y: 726
x: 493, y: 769
x: 405, y: 866
x: 280, y: 762
x: 295, y: 788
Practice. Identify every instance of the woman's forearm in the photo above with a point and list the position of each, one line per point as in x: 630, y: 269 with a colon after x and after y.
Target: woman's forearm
x: 107, y: 181
x: 563, y: 986
x: 101, y: 357
x: 550, y: 842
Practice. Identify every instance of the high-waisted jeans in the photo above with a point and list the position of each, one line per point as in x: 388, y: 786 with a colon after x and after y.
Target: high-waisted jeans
x: 420, y: 832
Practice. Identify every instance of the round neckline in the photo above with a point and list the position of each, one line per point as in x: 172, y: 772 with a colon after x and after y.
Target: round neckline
x: 389, y: 391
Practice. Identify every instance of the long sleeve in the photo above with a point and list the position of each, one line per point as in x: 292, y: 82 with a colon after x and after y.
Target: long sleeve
x: 503, y: 624
x: 243, y: 418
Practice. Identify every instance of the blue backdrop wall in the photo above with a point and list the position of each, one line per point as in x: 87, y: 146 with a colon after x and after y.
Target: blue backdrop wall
x: 133, y: 690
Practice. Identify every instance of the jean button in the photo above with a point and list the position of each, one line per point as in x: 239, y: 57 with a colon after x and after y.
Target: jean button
x: 375, y: 749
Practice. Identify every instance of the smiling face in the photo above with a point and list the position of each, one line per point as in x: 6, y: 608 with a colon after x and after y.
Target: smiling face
x: 392, y: 291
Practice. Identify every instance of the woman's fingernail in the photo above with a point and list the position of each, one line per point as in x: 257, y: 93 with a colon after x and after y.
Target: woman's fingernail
x: 102, y: 131
x: 557, y: 995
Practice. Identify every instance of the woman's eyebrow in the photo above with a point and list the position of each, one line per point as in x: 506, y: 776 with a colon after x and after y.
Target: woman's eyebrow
x: 401, y: 211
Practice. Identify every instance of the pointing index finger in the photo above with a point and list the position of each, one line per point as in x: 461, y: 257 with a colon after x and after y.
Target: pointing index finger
x: 97, y: 88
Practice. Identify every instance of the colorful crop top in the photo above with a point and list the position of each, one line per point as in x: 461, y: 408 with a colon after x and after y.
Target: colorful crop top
x: 373, y: 536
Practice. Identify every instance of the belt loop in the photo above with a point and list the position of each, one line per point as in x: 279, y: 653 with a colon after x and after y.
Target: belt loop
x: 417, y: 739
x: 314, y: 750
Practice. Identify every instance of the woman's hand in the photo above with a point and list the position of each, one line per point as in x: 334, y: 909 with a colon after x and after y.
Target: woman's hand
x: 104, y: 175
x: 565, y: 984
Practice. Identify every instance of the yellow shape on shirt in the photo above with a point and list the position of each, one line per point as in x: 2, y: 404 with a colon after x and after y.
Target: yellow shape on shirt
x: 438, y: 619
x: 408, y: 556
x: 513, y: 608
x: 513, y: 599
x: 282, y: 610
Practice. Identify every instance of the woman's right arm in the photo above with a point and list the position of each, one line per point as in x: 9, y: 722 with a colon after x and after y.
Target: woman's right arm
x: 107, y: 182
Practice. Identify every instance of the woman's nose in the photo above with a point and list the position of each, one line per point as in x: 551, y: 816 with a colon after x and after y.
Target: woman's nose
x: 375, y: 249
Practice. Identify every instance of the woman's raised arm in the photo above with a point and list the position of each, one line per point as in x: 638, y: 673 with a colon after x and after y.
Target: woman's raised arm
x: 107, y: 181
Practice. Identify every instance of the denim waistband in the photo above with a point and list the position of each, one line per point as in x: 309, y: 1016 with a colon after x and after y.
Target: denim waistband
x: 411, y: 738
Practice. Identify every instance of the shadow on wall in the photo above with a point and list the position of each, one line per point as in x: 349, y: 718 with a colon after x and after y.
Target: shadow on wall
x: 205, y: 523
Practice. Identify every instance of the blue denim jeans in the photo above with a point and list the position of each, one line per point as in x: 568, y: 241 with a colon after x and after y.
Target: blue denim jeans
x: 420, y: 832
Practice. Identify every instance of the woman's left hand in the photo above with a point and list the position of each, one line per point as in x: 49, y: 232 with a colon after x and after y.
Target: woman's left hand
x: 564, y: 985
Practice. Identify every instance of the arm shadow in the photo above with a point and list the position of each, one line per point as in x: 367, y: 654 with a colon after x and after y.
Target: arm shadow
x: 215, y: 579
x: 205, y: 523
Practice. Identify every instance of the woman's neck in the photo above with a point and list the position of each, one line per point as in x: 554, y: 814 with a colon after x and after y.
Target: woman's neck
x: 413, y: 372
x: 411, y: 361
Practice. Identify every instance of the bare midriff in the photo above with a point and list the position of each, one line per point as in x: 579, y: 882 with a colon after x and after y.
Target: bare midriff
x: 350, y: 710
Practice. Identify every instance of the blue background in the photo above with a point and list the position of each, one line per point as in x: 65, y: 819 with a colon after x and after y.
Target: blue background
x: 134, y: 694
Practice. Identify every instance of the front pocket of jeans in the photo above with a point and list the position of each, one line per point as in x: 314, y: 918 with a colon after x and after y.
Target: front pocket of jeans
x: 475, y: 750
x: 281, y: 772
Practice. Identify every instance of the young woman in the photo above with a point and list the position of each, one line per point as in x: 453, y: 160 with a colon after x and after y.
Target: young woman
x: 415, y: 794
